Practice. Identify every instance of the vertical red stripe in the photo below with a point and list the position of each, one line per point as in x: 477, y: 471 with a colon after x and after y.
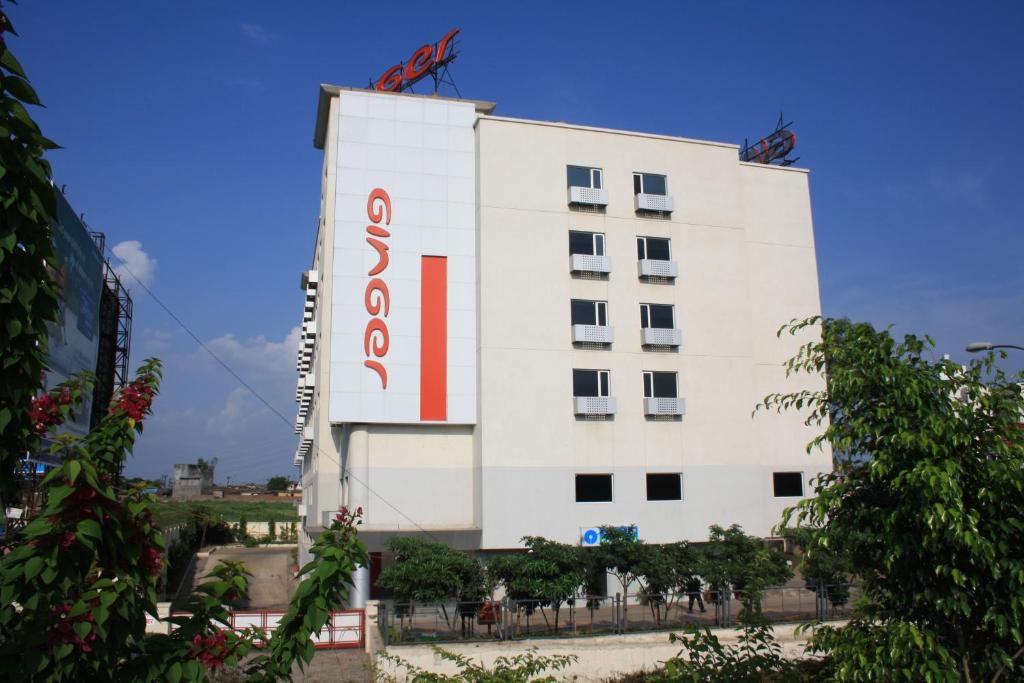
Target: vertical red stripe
x: 434, y: 338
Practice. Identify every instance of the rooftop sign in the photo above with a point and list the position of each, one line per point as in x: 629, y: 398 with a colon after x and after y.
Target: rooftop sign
x: 429, y: 60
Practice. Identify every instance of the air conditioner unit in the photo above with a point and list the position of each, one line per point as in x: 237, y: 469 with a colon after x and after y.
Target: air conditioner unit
x: 664, y: 406
x: 594, y: 405
x: 588, y: 195
x: 657, y: 268
x: 595, y: 334
x: 653, y: 202
x: 661, y: 336
x: 586, y: 263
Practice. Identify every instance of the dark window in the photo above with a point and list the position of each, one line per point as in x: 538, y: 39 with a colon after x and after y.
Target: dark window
x: 589, y: 243
x: 665, y: 486
x: 657, y: 315
x: 653, y: 248
x: 589, y: 312
x: 583, y: 176
x: 660, y: 385
x: 589, y: 382
x: 649, y: 183
x: 788, y: 484
x: 593, y: 488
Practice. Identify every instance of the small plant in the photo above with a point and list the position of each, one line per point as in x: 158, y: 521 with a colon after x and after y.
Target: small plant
x: 243, y: 528
x: 515, y: 669
x: 271, y: 531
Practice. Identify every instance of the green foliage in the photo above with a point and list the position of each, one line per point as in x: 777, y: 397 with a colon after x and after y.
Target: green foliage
x: 821, y: 566
x: 926, y: 503
x: 428, y: 572
x: 733, y: 559
x: 271, y: 531
x: 243, y: 527
x: 548, y: 573
x: 665, y: 572
x: 756, y: 657
x: 278, y: 484
x: 521, y: 668
x: 337, y: 553
x: 169, y: 513
x: 28, y: 290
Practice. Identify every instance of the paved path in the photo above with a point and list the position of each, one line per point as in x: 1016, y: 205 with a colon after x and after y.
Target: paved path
x: 271, y: 584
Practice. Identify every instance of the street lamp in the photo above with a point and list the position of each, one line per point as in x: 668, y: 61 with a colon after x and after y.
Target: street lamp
x: 975, y: 347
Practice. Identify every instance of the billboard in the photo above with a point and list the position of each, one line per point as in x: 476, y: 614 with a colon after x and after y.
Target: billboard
x: 403, y: 331
x: 74, y: 338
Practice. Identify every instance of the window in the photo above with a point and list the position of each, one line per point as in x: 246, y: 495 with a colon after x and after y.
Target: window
x: 593, y: 488
x: 649, y: 183
x: 665, y: 486
x: 584, y: 176
x: 661, y: 316
x: 653, y: 248
x: 660, y: 385
x: 788, y: 484
x: 590, y: 383
x: 589, y: 312
x: 588, y: 243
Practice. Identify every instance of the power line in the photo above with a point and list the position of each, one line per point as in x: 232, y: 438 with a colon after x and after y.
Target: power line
x: 255, y: 393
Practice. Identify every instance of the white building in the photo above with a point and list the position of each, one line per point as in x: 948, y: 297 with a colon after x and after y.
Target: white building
x: 521, y: 327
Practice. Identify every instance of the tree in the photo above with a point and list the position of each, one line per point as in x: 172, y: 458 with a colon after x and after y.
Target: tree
x: 665, y: 570
x: 278, y: 484
x: 429, y: 572
x: 28, y: 291
x: 826, y: 569
x: 548, y: 573
x: 735, y: 561
x: 623, y: 554
x: 930, y: 511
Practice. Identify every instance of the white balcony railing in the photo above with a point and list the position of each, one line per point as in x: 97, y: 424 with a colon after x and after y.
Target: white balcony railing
x: 657, y: 268
x: 588, y: 195
x: 585, y: 263
x: 661, y: 336
x: 595, y: 334
x: 664, y: 406
x: 594, y: 405
x: 653, y: 202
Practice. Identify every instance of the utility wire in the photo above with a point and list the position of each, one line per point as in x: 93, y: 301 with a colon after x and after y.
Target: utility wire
x: 255, y: 393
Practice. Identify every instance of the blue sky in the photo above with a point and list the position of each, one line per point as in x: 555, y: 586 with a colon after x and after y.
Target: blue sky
x: 187, y: 133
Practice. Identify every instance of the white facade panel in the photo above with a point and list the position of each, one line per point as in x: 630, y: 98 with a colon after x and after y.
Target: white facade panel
x: 417, y: 158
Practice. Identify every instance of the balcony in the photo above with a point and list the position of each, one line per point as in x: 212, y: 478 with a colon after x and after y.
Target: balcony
x: 593, y: 334
x: 593, y: 405
x: 590, y: 196
x: 657, y: 268
x: 661, y: 336
x: 664, y: 406
x: 585, y: 263
x: 653, y: 202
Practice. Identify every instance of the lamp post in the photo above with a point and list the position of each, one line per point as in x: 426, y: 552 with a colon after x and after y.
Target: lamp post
x: 975, y: 347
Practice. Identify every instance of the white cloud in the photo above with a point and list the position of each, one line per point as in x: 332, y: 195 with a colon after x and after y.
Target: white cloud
x: 236, y: 408
x: 135, y: 264
x: 258, y: 34
x: 257, y: 353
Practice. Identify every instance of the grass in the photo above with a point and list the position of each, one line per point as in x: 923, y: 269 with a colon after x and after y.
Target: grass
x: 170, y: 513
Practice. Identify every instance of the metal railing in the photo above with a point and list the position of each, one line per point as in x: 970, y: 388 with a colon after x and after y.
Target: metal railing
x: 509, y: 619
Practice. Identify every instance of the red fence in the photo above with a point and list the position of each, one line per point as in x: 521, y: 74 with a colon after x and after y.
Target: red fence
x: 344, y: 628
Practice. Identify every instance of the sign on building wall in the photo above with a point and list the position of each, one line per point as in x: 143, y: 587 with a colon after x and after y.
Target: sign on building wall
x: 403, y: 331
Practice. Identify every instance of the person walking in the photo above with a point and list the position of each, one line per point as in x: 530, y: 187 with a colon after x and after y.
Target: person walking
x: 693, y: 589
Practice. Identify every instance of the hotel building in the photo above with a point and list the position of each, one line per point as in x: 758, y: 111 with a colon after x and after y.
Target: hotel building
x: 518, y: 327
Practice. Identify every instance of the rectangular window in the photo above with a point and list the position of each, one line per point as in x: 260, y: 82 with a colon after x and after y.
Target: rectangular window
x: 649, y: 183
x: 587, y: 243
x: 661, y: 316
x: 660, y: 385
x: 590, y: 383
x: 653, y: 248
x: 583, y: 176
x: 593, y: 488
x: 665, y: 486
x: 788, y: 484
x: 589, y: 312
